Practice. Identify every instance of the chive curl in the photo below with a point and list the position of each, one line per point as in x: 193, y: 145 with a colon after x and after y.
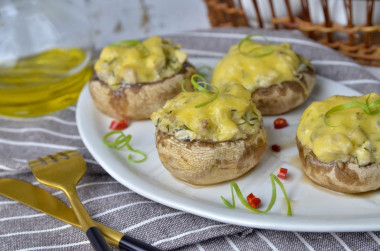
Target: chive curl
x: 240, y: 196
x: 126, y: 43
x: 202, y: 86
x: 204, y: 70
x: 368, y: 108
x: 131, y: 44
x: 183, y: 85
x: 259, y: 52
x: 122, y: 141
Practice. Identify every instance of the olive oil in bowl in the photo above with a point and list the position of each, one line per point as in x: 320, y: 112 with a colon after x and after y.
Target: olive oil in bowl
x: 43, y: 83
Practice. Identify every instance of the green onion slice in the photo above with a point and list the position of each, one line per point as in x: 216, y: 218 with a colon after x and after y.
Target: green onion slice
x: 204, y: 70
x: 183, y: 85
x: 131, y: 44
x: 127, y: 43
x: 374, y: 104
x: 273, y: 177
x: 116, y: 142
x: 357, y: 161
x: 122, y: 141
x: 367, y: 99
x: 256, y: 52
x: 198, y: 87
x: 127, y: 140
x: 242, y: 200
x: 249, y: 120
x: 368, y: 108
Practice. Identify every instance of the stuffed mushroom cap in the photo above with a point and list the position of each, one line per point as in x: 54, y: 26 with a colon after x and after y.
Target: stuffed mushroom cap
x: 339, y: 143
x: 278, y: 78
x: 132, y: 78
x: 210, y: 143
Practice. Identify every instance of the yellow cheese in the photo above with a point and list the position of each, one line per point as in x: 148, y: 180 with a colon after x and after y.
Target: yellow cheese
x: 258, y: 72
x: 349, y: 133
x: 231, y: 116
x: 151, y: 60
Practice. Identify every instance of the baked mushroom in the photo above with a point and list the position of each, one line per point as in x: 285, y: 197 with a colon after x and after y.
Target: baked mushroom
x: 339, y: 143
x: 203, y: 139
x: 132, y: 78
x: 279, y: 79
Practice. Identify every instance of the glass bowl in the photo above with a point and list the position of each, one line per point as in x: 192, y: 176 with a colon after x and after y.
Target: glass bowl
x: 45, y: 56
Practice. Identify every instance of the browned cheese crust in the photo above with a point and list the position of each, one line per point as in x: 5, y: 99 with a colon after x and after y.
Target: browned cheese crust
x: 205, y: 163
x: 138, y: 101
x: 346, y: 177
x: 278, y: 99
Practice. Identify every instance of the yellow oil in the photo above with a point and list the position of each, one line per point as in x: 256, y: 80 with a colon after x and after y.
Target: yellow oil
x: 43, y: 83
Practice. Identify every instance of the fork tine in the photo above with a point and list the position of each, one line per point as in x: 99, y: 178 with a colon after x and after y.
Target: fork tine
x: 70, y: 151
x: 48, y: 159
x: 34, y: 163
x: 59, y: 157
x: 72, y: 154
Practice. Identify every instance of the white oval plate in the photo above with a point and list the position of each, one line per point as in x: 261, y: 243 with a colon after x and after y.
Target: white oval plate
x: 315, y: 209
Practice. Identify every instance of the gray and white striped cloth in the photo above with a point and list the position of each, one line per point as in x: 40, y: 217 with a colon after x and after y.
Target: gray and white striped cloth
x: 116, y: 206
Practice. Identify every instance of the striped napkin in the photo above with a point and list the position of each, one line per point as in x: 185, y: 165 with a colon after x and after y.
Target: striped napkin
x: 114, y: 205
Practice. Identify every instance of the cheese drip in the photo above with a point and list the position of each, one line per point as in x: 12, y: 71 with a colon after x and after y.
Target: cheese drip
x: 152, y: 60
x: 231, y: 116
x: 350, y: 134
x: 258, y: 72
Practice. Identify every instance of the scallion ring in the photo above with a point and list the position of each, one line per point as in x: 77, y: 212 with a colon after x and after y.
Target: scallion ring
x: 122, y: 141
x: 368, y: 108
x: 372, y: 105
x: 183, y: 85
x: 240, y: 196
x: 204, y: 70
x: 256, y: 52
x: 114, y: 143
x: 127, y: 140
x: 273, y: 179
x: 251, y: 118
x: 131, y: 44
x: 200, y: 88
x: 196, y: 84
x: 127, y: 43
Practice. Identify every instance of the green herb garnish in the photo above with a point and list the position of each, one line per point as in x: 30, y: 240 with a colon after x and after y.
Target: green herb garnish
x: 368, y: 108
x: 204, y: 70
x: 123, y: 141
x: 127, y: 43
x: 273, y: 179
x: 202, y: 86
x: 251, y: 119
x: 183, y: 85
x: 131, y: 44
x: 370, y: 152
x: 258, y: 52
x: 357, y: 161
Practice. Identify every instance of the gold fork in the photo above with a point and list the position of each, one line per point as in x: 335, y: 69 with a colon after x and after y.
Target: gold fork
x: 63, y: 171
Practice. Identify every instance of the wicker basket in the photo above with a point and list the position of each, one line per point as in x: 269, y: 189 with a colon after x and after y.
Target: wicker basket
x: 360, y: 42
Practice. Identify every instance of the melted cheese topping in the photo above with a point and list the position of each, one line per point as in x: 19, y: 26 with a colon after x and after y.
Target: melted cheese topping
x: 351, y: 134
x: 253, y: 73
x: 231, y: 116
x: 151, y: 60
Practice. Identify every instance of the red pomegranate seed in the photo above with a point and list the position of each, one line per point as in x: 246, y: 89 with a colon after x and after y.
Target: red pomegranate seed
x: 280, y: 123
